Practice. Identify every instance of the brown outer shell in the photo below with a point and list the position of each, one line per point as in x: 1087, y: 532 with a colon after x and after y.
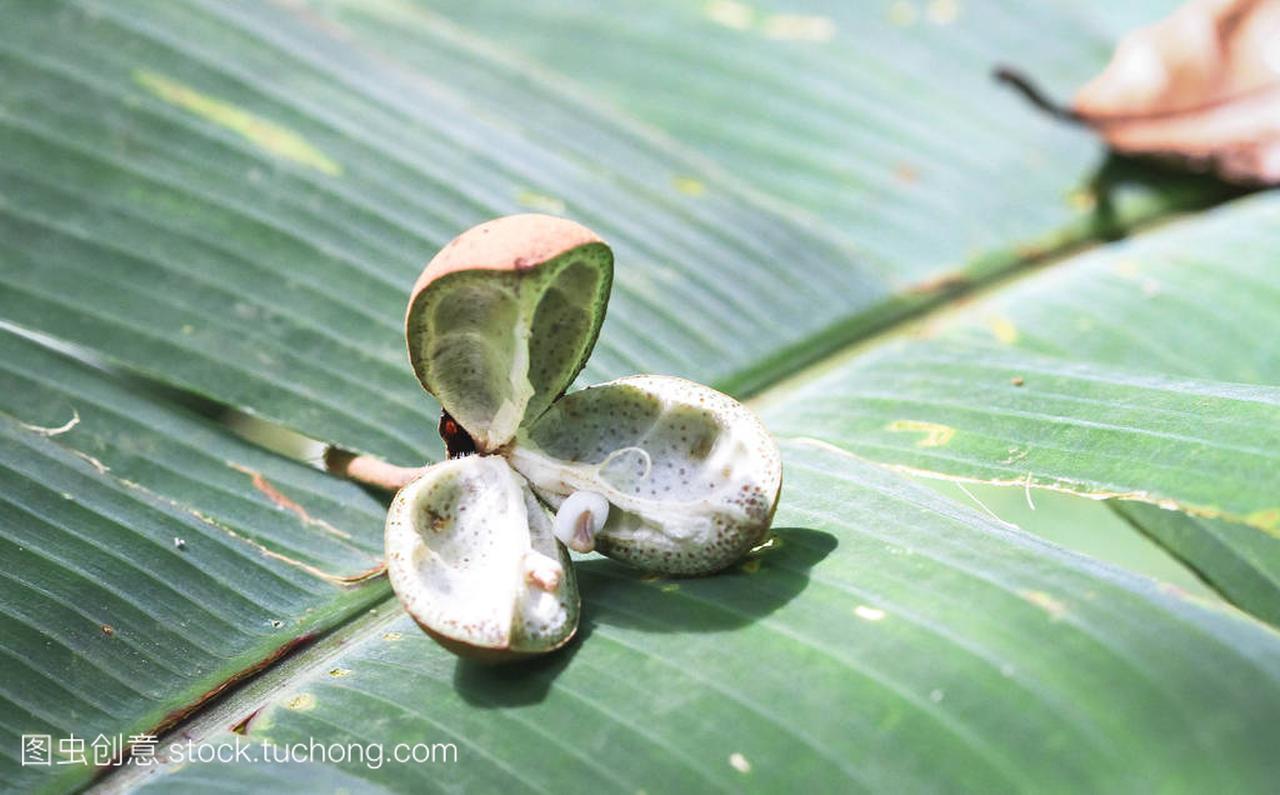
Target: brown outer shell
x: 488, y: 655
x: 511, y: 243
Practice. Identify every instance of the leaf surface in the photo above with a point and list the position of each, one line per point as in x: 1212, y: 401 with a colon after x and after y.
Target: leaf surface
x: 880, y: 119
x: 191, y: 462
x: 889, y: 640
x: 235, y: 197
x: 248, y: 226
x: 109, y: 625
x: 1121, y: 374
x: 1236, y: 559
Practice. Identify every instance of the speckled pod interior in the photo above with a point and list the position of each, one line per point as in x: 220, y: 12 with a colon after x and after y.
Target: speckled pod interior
x: 679, y: 478
x: 691, y: 474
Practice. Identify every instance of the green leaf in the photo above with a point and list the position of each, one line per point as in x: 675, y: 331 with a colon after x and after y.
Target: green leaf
x: 1196, y: 298
x: 101, y: 482
x: 288, y: 509
x: 236, y: 202
x: 1057, y: 383
x: 888, y: 640
x: 1236, y: 559
x: 235, y: 199
x: 882, y: 120
x: 1016, y: 418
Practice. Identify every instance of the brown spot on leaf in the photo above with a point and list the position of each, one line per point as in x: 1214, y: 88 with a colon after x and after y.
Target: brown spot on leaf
x: 242, y: 726
x: 941, y: 284
x: 281, y: 500
x: 182, y: 713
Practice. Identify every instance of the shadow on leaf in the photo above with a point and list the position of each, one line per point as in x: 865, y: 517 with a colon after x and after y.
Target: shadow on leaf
x: 514, y: 684
x: 613, y: 595
x: 1178, y: 187
x: 617, y: 596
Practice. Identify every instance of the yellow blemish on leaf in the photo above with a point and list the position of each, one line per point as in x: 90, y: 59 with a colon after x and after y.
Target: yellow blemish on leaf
x: 268, y: 136
x: 730, y: 14
x: 799, y: 27
x: 739, y: 763
x: 1044, y: 601
x: 1002, y: 327
x: 903, y: 13
x: 1268, y: 519
x: 540, y: 202
x: 868, y: 613
x: 392, y: 637
x: 688, y: 186
x: 303, y: 702
x: 750, y: 566
x: 670, y: 587
x: 1029, y: 251
x: 339, y: 673
x: 935, y: 435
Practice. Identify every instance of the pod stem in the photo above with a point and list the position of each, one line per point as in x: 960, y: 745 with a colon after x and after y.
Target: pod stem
x: 369, y: 470
x: 1032, y: 93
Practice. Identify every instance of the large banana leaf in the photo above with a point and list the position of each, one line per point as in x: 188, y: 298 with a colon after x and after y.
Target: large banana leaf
x: 237, y: 202
x: 290, y: 510
x: 880, y: 118
x: 233, y: 198
x: 237, y: 196
x: 120, y: 611
x: 888, y: 641
x: 1236, y: 559
x: 1077, y: 380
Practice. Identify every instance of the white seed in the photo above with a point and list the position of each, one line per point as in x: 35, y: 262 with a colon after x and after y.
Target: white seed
x: 581, y: 515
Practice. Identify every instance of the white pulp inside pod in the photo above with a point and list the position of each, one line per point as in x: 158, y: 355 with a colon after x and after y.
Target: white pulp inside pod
x: 472, y: 556
x: 691, y: 476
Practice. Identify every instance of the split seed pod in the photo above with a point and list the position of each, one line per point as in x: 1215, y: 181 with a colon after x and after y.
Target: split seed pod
x: 656, y: 471
x: 691, y: 476
x: 504, y: 317
x: 472, y: 556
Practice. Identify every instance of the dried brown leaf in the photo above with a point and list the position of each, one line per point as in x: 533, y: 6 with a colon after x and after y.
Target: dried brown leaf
x: 1202, y: 84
